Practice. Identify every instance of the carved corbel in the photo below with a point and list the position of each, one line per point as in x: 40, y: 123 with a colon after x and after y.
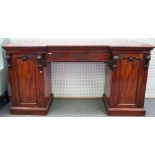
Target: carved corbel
x: 41, y: 63
x: 8, y: 59
x: 112, y: 64
x: 147, y: 59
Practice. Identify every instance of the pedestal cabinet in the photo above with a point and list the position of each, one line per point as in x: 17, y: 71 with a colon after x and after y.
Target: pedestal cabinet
x: 30, y: 85
x: 126, y: 81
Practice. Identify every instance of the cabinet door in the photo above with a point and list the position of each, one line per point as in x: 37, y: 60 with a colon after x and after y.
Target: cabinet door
x: 25, y: 71
x: 128, y: 83
x: 128, y: 80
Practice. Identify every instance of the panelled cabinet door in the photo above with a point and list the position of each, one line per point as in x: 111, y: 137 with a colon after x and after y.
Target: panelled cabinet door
x: 29, y: 83
x: 130, y: 81
x: 25, y: 71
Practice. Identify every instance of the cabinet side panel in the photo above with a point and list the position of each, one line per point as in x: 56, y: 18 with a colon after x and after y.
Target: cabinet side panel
x: 47, y: 78
x: 107, y: 86
x: 13, y: 82
x: 141, y: 86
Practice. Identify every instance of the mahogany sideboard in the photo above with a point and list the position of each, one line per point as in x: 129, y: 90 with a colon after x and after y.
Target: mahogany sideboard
x: 125, y: 79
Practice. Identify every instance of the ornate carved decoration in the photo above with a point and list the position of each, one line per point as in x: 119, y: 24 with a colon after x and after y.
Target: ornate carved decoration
x: 23, y: 57
x: 131, y: 58
x: 26, y: 57
x: 41, y: 63
x: 147, y: 58
x: 8, y: 59
x: 113, y: 63
x: 39, y: 57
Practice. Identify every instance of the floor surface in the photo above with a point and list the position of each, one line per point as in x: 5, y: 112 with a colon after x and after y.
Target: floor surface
x: 79, y: 108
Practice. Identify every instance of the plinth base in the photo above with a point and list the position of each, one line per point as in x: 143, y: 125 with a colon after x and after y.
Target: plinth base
x: 123, y: 111
x: 32, y: 110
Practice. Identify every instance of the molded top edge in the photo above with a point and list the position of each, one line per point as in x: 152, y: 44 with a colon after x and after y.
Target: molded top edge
x: 77, y: 47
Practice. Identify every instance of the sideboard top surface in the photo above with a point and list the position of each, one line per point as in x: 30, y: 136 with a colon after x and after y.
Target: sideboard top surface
x: 86, y: 45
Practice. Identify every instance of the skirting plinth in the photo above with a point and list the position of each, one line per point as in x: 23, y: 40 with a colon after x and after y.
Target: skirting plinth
x: 32, y: 110
x: 123, y: 111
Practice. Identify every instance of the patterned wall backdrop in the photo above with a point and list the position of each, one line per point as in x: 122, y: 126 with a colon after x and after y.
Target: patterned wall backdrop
x: 86, y: 79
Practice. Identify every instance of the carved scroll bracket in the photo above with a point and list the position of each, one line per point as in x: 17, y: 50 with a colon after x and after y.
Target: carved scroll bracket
x: 41, y: 63
x: 147, y: 59
x: 112, y: 64
x: 9, y: 61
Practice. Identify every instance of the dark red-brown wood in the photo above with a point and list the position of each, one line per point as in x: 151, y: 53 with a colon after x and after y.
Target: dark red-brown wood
x: 30, y: 90
x: 125, y: 81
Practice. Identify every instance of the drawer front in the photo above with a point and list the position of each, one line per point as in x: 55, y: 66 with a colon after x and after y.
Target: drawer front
x: 73, y: 56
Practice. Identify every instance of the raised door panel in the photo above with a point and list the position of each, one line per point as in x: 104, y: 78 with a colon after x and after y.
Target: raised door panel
x: 26, y: 81
x: 128, y: 82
